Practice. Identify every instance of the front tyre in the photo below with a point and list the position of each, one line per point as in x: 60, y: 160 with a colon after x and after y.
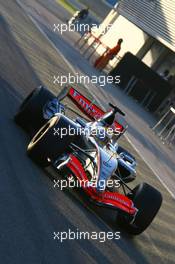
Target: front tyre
x: 49, y: 142
x: 148, y: 201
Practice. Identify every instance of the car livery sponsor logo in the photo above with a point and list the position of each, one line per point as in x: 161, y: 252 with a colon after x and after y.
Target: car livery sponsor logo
x: 87, y: 106
x: 109, y: 196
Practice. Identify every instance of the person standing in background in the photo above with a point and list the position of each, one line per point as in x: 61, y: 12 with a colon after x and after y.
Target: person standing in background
x: 165, y: 75
x: 108, y: 55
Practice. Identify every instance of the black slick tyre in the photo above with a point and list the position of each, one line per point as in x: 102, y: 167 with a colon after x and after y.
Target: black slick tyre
x: 148, y: 201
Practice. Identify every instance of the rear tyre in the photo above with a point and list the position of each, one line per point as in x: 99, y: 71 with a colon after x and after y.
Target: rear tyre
x: 30, y: 113
x: 148, y: 201
x: 48, y: 144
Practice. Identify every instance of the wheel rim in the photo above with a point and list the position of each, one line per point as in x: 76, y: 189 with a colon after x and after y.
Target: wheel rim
x: 40, y: 134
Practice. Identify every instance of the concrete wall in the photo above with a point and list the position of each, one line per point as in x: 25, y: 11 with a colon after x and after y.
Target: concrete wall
x: 156, y: 17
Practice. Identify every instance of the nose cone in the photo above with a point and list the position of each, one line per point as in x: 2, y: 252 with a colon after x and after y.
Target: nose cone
x: 107, y: 166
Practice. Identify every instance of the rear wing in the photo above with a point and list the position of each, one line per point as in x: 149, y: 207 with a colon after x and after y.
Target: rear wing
x: 92, y: 111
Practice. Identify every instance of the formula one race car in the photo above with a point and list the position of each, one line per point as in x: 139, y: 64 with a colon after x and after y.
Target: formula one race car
x: 87, y: 152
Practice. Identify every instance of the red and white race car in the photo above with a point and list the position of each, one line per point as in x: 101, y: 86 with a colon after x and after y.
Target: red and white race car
x: 87, y: 152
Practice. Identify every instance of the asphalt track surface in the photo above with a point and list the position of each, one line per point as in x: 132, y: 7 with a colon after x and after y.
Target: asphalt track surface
x: 31, y: 209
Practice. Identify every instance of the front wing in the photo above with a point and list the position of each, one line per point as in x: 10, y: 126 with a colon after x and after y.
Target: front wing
x: 106, y: 198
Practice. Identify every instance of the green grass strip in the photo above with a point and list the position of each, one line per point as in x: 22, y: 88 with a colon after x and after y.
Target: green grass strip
x: 67, y: 6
